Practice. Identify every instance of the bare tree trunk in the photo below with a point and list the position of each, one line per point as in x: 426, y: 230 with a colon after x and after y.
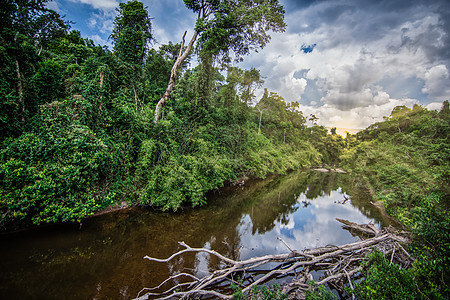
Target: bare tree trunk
x: 20, y: 90
x: 173, y: 74
x: 135, y: 98
x: 260, y: 117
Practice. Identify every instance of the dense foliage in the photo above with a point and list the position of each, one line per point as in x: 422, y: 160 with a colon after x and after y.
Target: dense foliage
x: 76, y: 119
x: 77, y: 132
x: 405, y: 160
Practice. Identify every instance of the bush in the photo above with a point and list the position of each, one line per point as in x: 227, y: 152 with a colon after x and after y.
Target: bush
x: 61, y: 172
x: 321, y: 293
x: 431, y: 246
x: 383, y: 280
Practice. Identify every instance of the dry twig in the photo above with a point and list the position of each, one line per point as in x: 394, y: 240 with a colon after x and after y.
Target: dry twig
x: 340, y: 263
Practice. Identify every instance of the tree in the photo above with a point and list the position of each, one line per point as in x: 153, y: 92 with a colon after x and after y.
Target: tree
x: 445, y: 110
x: 251, y: 80
x: 24, y: 24
x: 48, y: 27
x: 131, y: 35
x: 333, y: 131
x: 225, y: 26
x: 313, y: 119
x: 132, y: 32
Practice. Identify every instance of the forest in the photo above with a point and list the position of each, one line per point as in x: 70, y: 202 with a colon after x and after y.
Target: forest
x: 84, y: 128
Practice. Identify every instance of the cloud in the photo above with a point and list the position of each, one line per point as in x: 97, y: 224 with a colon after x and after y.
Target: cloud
x: 369, y: 57
x: 434, y: 106
x: 98, y: 40
x: 357, y: 117
x: 437, y: 82
x: 53, y: 5
x: 102, y: 21
x: 99, y: 4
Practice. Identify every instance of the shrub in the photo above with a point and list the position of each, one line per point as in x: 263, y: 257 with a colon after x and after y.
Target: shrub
x: 383, y: 280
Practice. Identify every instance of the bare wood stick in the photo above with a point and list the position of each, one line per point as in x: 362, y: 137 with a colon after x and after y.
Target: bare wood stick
x: 315, y: 260
x: 182, y: 55
x: 337, y: 276
x: 287, y: 246
x: 189, y: 249
x: 362, y: 228
x: 392, y: 256
x: 404, y: 251
x: 175, y: 287
x: 376, y: 230
x: 168, y: 279
x: 336, y: 260
x: 188, y: 293
x: 350, y: 283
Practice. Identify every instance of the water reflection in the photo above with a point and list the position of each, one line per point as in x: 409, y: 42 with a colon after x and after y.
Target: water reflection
x: 104, y: 259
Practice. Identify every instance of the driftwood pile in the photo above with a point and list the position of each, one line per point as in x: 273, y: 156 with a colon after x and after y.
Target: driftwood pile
x: 338, y: 263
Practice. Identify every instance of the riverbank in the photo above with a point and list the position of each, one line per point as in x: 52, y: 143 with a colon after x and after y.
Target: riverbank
x: 104, y: 258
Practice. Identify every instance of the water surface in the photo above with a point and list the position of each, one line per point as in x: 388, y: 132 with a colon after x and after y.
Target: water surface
x: 104, y: 258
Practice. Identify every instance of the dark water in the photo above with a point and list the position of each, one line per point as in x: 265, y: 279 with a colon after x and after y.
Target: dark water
x: 104, y: 259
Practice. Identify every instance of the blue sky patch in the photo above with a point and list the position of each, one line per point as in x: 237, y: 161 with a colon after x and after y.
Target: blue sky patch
x: 307, y: 48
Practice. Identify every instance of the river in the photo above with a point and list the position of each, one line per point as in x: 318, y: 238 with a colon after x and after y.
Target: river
x: 103, y: 259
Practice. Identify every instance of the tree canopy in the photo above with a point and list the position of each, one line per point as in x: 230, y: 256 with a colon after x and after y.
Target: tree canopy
x: 77, y: 132
x: 132, y: 32
x: 227, y: 27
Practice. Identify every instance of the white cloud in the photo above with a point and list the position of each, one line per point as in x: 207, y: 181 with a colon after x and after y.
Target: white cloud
x: 92, y: 22
x: 381, y: 98
x: 295, y: 87
x: 358, y: 46
x: 434, y: 106
x: 103, y: 21
x: 358, y: 117
x: 99, y: 4
x: 437, y: 82
x: 53, y: 5
x: 99, y: 40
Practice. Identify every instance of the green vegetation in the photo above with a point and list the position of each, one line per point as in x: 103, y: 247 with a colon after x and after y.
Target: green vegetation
x: 76, y: 121
x: 383, y: 280
x: 320, y: 293
x: 77, y: 130
x: 260, y: 293
x: 405, y: 161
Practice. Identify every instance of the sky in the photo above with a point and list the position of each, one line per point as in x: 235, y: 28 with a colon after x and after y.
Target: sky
x: 348, y: 62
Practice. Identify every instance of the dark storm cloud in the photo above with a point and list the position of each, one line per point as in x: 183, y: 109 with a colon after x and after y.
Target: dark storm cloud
x: 332, y: 14
x: 369, y: 20
x: 293, y: 5
x: 437, y: 45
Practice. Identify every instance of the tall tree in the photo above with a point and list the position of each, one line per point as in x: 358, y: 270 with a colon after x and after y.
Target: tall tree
x: 24, y: 24
x: 131, y: 36
x: 225, y: 26
x: 132, y: 32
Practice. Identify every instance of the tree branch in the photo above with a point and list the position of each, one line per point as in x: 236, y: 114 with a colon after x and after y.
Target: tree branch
x: 334, y: 260
x: 173, y: 74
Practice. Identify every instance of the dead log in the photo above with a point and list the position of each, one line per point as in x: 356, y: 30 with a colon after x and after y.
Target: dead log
x: 368, y: 229
x: 339, y: 263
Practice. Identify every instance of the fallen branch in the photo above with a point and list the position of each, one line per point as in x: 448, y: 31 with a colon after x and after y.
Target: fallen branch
x: 340, y: 263
x: 368, y: 229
